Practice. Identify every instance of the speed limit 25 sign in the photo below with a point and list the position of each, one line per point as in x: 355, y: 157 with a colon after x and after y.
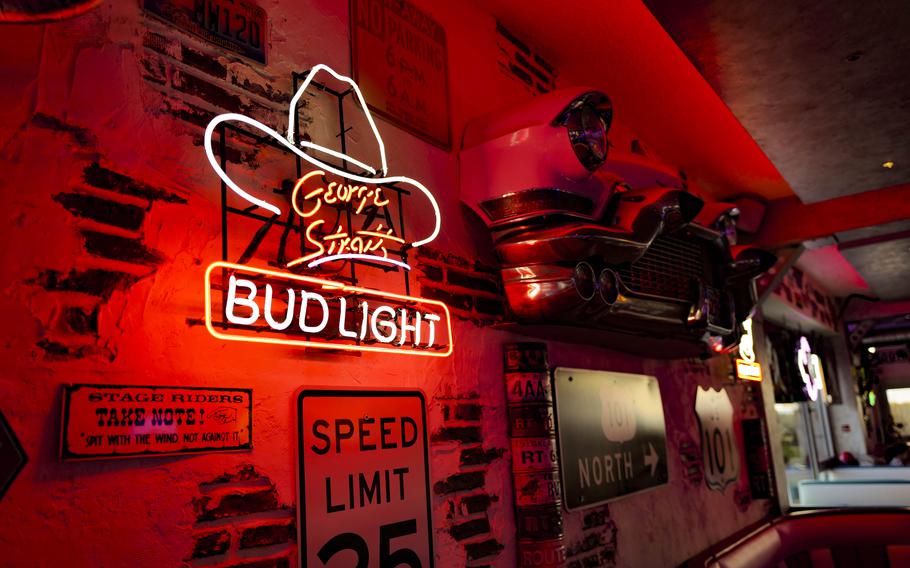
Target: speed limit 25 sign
x: 363, y: 479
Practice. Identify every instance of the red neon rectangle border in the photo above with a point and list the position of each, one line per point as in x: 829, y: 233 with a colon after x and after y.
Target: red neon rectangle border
x: 744, y: 363
x: 328, y: 284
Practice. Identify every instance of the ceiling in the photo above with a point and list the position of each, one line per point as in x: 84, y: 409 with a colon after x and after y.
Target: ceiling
x: 822, y: 87
x: 618, y: 46
x: 805, y: 98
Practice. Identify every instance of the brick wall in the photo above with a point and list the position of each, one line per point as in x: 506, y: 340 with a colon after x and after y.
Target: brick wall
x: 108, y: 209
x: 241, y: 522
x: 472, y: 290
x: 463, y: 492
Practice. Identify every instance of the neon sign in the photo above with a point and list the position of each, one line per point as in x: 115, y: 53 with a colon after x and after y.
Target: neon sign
x: 810, y: 369
x: 267, y: 306
x: 246, y: 303
x: 359, y: 190
x: 747, y: 368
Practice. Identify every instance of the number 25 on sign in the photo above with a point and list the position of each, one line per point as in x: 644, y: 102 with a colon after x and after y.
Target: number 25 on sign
x: 363, y: 479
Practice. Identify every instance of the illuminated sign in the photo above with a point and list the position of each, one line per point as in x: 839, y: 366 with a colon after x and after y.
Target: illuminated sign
x: 810, y: 369
x: 268, y: 306
x: 313, y: 189
x: 245, y: 303
x: 747, y: 368
x: 363, y: 479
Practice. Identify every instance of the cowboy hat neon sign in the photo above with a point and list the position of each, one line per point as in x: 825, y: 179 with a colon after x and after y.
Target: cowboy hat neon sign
x: 360, y: 185
x: 268, y: 306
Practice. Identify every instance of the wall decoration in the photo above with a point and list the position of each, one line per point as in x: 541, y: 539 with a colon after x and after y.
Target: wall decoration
x: 535, y: 466
x: 399, y: 57
x: 720, y: 451
x: 594, y: 250
x: 316, y: 312
x: 12, y: 456
x: 810, y: 369
x: 236, y: 25
x: 363, y: 474
x: 323, y: 314
x: 112, y: 421
x: 747, y: 368
x: 612, y: 437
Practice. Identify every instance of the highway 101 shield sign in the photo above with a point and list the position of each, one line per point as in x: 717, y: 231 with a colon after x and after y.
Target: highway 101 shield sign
x: 612, y: 438
x: 363, y: 475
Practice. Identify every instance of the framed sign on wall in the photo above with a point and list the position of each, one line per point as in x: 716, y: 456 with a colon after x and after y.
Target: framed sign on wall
x: 114, y: 421
x: 612, y: 437
x: 363, y: 479
x: 399, y: 58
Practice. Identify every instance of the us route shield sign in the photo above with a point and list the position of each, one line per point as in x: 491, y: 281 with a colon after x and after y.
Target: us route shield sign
x: 363, y: 476
x: 612, y: 438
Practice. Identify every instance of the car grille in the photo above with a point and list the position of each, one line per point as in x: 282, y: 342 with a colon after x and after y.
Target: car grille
x: 670, y: 268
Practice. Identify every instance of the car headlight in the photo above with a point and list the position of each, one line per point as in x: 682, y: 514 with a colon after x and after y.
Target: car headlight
x: 587, y: 120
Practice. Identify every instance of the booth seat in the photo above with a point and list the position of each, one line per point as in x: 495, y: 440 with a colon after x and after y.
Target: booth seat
x: 863, y: 473
x: 855, y: 493
x: 874, y: 538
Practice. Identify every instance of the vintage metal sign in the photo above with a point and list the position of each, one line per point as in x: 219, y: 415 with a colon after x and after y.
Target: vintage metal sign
x: 364, y: 480
x: 399, y: 58
x: 104, y: 421
x: 12, y: 456
x: 720, y: 452
x: 237, y: 25
x: 266, y: 306
x: 612, y: 438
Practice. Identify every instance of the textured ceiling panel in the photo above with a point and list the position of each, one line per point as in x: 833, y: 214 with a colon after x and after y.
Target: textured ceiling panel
x: 885, y: 266
x: 823, y: 87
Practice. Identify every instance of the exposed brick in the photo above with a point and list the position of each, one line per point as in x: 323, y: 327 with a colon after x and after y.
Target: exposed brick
x: 281, y: 562
x: 457, y: 301
x: 188, y: 112
x: 81, y: 322
x: 153, y: 69
x: 433, y: 273
x: 57, y: 351
x: 470, y: 528
x: 104, y: 178
x: 94, y: 282
x: 205, y: 63
x: 480, y: 456
x: 596, y: 518
x: 266, y: 92
x: 477, y: 550
x: 267, y: 535
x: 80, y: 135
x: 235, y: 504
x: 244, y: 473
x: 119, y: 248
x: 467, y: 411
x: 473, y: 504
x: 212, y: 544
x: 207, y: 91
x: 489, y: 306
x: 459, y: 482
x: 121, y: 215
x: 464, y: 434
